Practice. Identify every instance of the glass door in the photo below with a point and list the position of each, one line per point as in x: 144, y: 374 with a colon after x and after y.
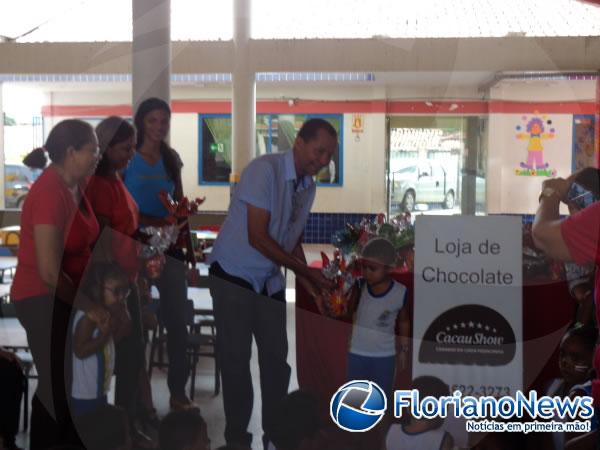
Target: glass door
x: 427, y: 160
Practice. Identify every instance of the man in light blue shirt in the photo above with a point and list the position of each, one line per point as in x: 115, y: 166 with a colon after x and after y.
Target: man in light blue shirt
x: 263, y: 232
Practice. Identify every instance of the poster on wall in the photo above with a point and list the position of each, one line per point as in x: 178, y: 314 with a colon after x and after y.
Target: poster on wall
x: 584, y: 145
x: 468, y: 303
x: 534, y: 130
x: 513, y: 189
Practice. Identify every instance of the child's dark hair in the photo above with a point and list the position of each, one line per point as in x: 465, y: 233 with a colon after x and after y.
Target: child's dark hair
x: 497, y: 441
x: 233, y: 447
x: 587, y: 334
x: 97, y: 276
x: 113, y: 433
x: 180, y: 429
x: 296, y: 418
x: 428, y: 385
x: 111, y: 131
x: 36, y: 159
x: 170, y: 158
x: 66, y: 447
x: 381, y: 250
x: 589, y: 178
x: 68, y: 133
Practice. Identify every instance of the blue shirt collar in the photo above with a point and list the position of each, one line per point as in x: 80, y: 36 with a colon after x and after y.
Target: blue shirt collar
x: 290, y: 171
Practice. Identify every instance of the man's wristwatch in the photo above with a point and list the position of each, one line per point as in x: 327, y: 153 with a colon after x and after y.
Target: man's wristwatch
x: 549, y: 192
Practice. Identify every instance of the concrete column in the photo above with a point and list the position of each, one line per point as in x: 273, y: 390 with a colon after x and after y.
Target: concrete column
x: 151, y: 50
x: 243, y: 113
x: 2, y: 148
x: 597, y: 121
x: 469, y: 167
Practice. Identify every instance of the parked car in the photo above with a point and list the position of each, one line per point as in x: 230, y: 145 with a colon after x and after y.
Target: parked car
x: 17, y: 181
x: 424, y: 181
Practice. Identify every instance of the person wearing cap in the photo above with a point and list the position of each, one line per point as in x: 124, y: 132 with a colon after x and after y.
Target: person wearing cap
x: 376, y: 352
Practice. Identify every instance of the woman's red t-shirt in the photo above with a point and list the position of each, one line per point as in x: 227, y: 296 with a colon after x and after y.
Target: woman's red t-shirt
x: 110, y: 198
x: 581, y: 233
x: 50, y: 202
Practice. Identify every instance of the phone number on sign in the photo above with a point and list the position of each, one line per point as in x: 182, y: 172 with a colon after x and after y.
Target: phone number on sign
x: 482, y: 390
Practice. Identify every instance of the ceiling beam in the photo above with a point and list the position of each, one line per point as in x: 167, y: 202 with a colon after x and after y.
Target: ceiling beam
x: 324, y: 55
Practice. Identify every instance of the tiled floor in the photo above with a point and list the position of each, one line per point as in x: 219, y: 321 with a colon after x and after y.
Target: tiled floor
x: 211, y: 406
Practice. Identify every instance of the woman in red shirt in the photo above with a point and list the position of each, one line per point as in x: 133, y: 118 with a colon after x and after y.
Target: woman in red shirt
x: 58, y: 232
x: 118, y: 216
x: 576, y: 238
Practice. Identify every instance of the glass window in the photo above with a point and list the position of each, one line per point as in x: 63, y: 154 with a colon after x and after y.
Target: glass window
x: 425, y: 163
x: 215, y: 144
x: 263, y: 134
x: 408, y: 170
x: 31, y: 110
x: 23, y: 132
x: 274, y: 133
x: 284, y: 128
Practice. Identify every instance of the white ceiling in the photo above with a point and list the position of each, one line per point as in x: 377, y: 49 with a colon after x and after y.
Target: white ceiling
x: 110, y: 20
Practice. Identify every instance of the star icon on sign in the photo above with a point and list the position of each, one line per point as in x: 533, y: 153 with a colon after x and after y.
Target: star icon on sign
x: 495, y: 331
x: 471, y: 324
x: 462, y: 325
x: 455, y: 327
x: 487, y: 328
x: 479, y: 326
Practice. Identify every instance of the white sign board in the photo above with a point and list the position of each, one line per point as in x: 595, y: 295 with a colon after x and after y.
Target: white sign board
x: 468, y: 303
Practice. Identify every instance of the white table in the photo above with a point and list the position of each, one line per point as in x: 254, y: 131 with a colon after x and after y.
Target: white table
x: 12, y: 334
x: 202, y: 268
x: 201, y: 298
x: 4, y: 291
x: 7, y: 263
x: 206, y: 235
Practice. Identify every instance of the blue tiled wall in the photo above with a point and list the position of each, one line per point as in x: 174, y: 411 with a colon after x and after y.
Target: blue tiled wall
x: 321, y: 226
x: 526, y: 218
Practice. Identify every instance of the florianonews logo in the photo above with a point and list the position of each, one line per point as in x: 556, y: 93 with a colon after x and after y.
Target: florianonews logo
x: 358, y: 405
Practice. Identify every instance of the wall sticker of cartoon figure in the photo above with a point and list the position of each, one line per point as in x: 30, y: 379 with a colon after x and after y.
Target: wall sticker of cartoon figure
x: 535, y: 133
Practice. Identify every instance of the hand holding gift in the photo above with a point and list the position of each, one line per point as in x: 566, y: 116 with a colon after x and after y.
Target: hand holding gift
x: 341, y: 273
x: 160, y: 239
x: 349, y: 242
x: 179, y: 211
